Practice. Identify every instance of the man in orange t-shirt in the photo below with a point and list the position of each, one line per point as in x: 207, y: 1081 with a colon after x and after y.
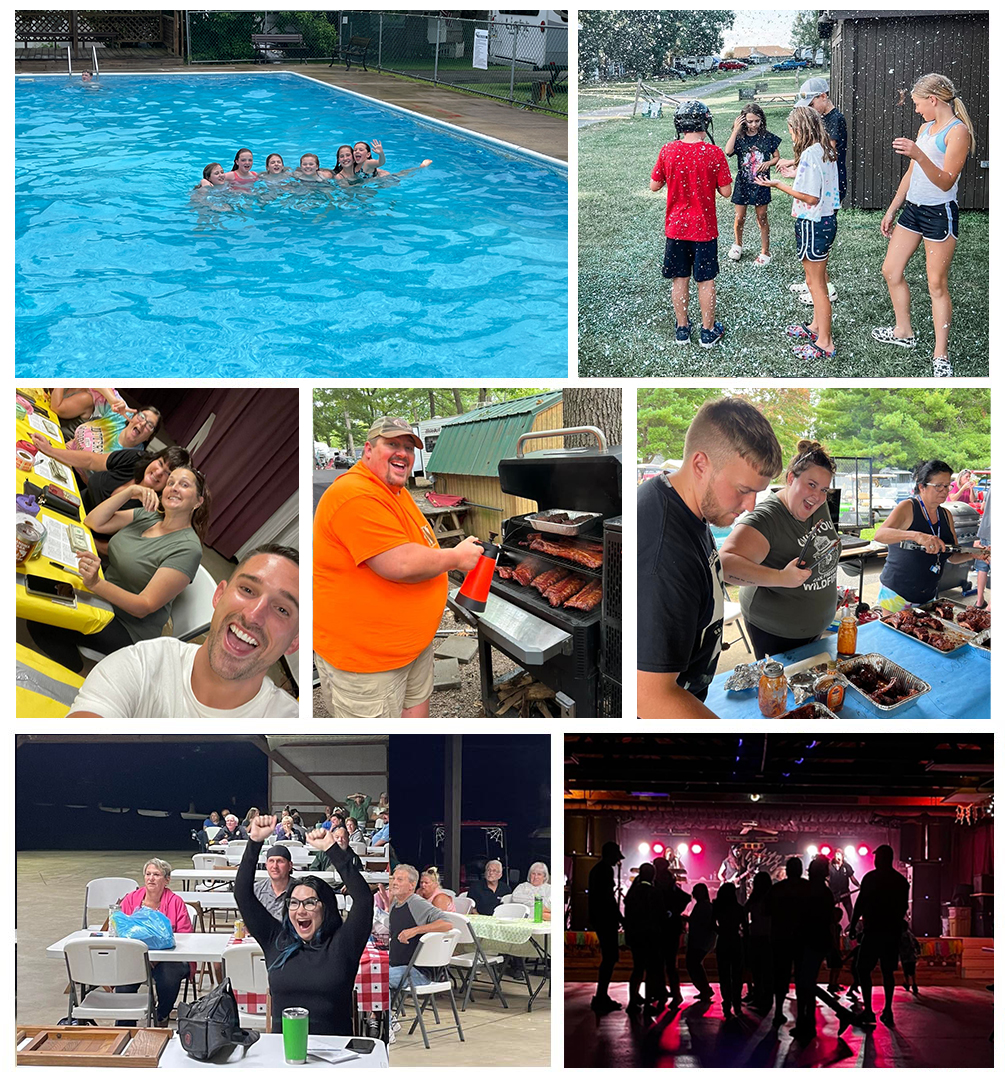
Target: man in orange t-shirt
x: 380, y: 583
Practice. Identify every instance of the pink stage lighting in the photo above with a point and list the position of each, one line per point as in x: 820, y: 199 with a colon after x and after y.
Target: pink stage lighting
x: 863, y: 850
x: 658, y: 848
x: 811, y: 850
x: 696, y: 847
x: 825, y: 850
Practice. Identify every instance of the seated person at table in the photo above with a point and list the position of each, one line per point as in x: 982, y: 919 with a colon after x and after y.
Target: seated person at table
x: 312, y: 954
x: 321, y: 861
x: 431, y: 889
x: 355, y: 833
x: 383, y: 834
x: 289, y: 832
x: 271, y: 892
x: 93, y: 455
x: 152, y: 558
x: 149, y: 469
x: 232, y: 831
x: 255, y: 621
x: 75, y: 406
x: 154, y: 894
x: 537, y: 885
x: 488, y: 891
x: 375, y: 810
x: 213, y: 820
x: 253, y: 812
x: 411, y: 916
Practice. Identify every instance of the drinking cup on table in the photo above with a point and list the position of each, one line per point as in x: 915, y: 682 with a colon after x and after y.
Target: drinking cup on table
x: 296, y: 1021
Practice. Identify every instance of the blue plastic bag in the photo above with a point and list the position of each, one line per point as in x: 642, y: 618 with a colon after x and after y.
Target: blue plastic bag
x: 148, y: 925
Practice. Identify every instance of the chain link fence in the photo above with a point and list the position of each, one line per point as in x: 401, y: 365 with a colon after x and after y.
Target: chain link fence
x: 504, y: 56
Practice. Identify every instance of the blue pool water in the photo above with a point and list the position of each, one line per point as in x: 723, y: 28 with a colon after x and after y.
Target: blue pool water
x: 461, y: 269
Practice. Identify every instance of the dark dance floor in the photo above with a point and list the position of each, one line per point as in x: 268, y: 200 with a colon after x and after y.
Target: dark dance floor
x: 940, y: 1027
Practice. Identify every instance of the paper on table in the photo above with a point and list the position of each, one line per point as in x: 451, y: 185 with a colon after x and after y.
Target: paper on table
x: 332, y: 1055
x: 805, y: 665
x: 54, y: 471
x: 56, y: 546
x: 45, y: 426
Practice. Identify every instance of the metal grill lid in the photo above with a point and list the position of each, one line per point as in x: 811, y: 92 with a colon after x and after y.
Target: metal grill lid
x: 588, y: 478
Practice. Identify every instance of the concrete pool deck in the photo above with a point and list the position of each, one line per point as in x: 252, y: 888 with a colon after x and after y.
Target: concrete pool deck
x: 533, y: 130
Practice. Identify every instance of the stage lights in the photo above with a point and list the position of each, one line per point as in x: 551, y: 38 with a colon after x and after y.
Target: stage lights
x: 811, y: 850
x: 658, y: 848
x: 825, y: 850
x: 863, y: 850
x: 696, y: 848
x: 682, y: 851
x: 644, y: 848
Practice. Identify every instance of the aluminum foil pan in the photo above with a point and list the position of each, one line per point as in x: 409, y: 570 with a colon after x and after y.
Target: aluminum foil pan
x: 820, y: 712
x: 951, y: 631
x: 958, y: 609
x: 885, y: 666
x: 564, y: 529
x: 982, y: 641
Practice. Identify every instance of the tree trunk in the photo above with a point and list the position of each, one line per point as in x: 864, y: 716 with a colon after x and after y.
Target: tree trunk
x: 600, y: 407
x: 350, y: 447
x: 483, y: 395
x: 457, y: 401
x: 432, y: 403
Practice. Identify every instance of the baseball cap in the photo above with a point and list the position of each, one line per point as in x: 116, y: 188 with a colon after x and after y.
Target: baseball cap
x: 811, y: 88
x: 390, y: 426
x: 279, y: 850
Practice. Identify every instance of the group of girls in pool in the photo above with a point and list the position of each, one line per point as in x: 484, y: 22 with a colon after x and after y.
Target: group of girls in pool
x: 353, y: 165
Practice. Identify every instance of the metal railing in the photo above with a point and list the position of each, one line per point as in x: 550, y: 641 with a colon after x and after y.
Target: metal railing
x: 506, y: 58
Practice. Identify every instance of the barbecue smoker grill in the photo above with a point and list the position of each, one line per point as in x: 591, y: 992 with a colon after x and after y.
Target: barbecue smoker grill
x: 557, y: 645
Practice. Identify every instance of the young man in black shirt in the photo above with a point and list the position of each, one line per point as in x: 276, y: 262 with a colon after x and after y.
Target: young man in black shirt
x: 730, y: 454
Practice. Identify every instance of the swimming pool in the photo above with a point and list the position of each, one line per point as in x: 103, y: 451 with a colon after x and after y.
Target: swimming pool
x: 460, y: 269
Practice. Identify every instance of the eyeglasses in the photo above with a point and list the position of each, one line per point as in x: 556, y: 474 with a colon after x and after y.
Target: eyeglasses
x: 148, y: 424
x: 939, y: 486
x: 310, y: 904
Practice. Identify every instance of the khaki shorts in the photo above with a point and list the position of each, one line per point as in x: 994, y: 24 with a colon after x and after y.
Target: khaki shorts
x: 378, y: 693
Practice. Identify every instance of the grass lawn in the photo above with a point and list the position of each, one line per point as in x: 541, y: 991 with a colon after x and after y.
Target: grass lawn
x: 598, y: 95
x: 626, y: 323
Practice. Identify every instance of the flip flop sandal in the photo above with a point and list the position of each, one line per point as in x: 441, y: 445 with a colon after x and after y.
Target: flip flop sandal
x: 800, y: 331
x: 889, y: 336
x: 809, y: 352
x: 735, y: 252
x: 762, y: 260
x: 942, y: 367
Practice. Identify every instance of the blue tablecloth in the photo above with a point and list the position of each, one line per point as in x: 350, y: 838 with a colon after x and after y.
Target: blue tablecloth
x: 961, y: 682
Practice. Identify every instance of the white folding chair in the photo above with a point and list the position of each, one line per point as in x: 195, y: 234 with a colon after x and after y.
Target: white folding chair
x: 359, y: 847
x: 731, y: 614
x: 94, y: 964
x: 514, y: 909
x: 505, y: 899
x: 212, y: 831
x: 470, y: 963
x: 245, y: 965
x: 463, y: 904
x: 103, y: 893
x: 431, y: 957
x: 192, y: 610
x: 203, y: 860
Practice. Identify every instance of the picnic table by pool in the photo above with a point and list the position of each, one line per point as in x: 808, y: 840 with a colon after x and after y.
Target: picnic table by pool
x: 961, y: 681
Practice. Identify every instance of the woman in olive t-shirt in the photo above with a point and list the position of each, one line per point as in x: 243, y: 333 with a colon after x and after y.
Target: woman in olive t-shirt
x: 154, y: 553
x: 784, y: 606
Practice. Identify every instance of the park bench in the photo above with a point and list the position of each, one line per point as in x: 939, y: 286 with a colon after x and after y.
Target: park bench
x: 355, y: 50
x: 286, y: 43
x: 789, y: 96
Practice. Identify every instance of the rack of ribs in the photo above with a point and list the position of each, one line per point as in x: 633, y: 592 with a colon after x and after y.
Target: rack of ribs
x: 589, y: 555
x: 588, y: 598
x: 525, y: 572
x: 550, y: 576
x: 564, y: 589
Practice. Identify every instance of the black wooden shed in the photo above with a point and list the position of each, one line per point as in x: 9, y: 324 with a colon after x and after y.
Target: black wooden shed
x: 875, y: 58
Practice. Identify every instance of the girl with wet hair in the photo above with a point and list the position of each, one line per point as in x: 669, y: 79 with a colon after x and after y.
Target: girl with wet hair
x: 241, y: 174
x: 756, y: 151
x: 929, y: 212
x: 815, y: 192
x: 366, y: 165
x: 213, y: 176
x: 786, y: 603
x: 312, y: 954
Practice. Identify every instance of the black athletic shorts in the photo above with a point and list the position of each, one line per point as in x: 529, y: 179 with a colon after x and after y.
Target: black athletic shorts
x: 681, y: 258
x: 814, y: 239
x: 934, y: 222
x: 882, y: 947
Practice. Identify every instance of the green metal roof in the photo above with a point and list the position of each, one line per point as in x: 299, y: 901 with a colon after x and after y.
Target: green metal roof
x: 474, y: 443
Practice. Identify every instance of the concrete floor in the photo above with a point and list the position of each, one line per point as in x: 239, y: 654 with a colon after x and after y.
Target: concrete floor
x: 946, y: 1026
x: 50, y: 903
x: 493, y: 1037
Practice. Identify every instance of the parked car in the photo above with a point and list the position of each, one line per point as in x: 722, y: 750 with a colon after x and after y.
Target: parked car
x: 789, y: 65
x: 673, y: 73
x: 732, y: 66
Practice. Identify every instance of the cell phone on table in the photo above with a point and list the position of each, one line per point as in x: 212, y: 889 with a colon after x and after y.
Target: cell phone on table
x: 362, y: 1045
x: 51, y: 589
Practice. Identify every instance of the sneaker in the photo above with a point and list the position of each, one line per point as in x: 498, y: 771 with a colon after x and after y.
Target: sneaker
x: 735, y: 252
x: 683, y: 336
x: 942, y: 367
x: 762, y: 260
x: 887, y: 1018
x: 710, y: 337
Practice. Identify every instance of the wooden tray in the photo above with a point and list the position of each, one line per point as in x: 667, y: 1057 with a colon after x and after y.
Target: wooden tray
x: 89, y: 1046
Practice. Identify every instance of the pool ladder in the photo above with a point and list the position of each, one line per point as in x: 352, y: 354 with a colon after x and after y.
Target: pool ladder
x: 69, y: 61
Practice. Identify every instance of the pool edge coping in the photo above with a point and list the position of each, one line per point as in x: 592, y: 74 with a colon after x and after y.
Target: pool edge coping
x: 467, y: 133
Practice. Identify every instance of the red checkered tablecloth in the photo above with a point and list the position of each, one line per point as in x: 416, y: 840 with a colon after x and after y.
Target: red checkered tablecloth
x: 372, y: 980
x: 371, y: 983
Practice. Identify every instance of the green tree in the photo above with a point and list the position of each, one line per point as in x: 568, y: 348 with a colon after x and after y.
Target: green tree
x: 664, y: 414
x: 899, y: 427
x: 806, y: 31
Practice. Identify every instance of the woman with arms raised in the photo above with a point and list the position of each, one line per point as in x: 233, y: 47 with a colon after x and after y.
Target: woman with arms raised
x: 312, y: 954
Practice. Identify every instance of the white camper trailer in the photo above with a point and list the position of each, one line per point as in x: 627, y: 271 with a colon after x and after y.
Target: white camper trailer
x: 535, y: 38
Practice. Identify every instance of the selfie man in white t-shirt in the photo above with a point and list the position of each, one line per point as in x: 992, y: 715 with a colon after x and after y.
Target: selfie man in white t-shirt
x: 256, y: 620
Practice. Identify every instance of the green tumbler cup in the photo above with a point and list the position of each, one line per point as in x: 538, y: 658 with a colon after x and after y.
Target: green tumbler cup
x: 296, y: 1021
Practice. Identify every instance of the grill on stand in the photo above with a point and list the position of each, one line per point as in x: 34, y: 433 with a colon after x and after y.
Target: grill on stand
x: 966, y: 520
x: 557, y: 645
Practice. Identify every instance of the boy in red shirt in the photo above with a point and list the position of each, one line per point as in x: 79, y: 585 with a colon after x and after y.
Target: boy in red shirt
x: 693, y: 170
